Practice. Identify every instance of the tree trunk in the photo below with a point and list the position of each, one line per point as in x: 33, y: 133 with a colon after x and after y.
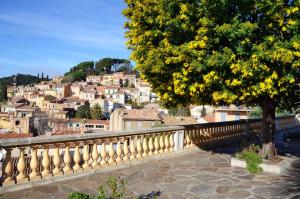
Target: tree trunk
x: 268, y: 128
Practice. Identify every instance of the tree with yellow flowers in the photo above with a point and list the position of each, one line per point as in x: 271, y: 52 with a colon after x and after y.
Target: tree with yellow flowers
x: 219, y: 52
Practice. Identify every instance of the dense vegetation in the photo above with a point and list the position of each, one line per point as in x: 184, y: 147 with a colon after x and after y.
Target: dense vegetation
x: 19, y: 79
x: 103, y: 66
x: 87, y: 112
x: 219, y: 52
x: 3, y: 92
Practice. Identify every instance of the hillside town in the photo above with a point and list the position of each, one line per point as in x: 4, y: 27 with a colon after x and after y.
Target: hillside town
x: 126, y: 102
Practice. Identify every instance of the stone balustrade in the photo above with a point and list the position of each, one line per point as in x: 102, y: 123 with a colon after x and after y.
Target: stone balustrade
x: 41, y: 158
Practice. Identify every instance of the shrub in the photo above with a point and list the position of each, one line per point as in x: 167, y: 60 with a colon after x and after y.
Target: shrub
x: 252, y: 158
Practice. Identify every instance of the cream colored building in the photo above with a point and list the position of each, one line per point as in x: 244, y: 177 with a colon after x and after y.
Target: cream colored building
x: 230, y: 113
x: 122, y: 119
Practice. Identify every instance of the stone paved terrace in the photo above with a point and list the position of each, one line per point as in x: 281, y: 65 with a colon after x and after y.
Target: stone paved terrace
x: 193, y: 174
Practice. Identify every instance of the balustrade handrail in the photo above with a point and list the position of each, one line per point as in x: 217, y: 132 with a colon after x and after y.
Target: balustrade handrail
x: 18, y: 142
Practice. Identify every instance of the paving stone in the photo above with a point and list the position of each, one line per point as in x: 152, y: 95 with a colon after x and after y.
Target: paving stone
x: 223, y: 189
x: 241, y: 194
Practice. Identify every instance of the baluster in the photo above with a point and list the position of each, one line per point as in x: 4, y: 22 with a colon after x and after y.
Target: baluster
x: 22, y: 177
x: 199, y: 136
x: 119, y: 153
x: 56, y: 161
x: 103, y: 155
x: 196, y: 140
x: 126, y: 151
x: 111, y: 153
x: 67, y: 160
x: 139, y: 149
x: 161, y: 144
x: 145, y: 147
x: 151, y: 146
x: 132, y: 150
x: 46, y: 173
x: 188, y: 141
x: 95, y: 156
x: 86, y: 158
x: 172, y: 144
x: 77, y: 159
x: 156, y: 145
x: 34, y: 165
x: 8, y: 169
x: 167, y: 144
x: 192, y: 138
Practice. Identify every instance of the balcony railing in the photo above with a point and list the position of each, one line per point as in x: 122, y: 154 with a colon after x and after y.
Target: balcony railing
x: 40, y: 158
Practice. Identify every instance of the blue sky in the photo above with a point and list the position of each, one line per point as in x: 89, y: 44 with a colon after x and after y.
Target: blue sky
x: 51, y: 36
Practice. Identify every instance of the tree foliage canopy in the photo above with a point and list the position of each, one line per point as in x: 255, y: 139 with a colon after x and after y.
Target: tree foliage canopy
x: 83, y: 112
x: 219, y: 52
x: 109, y: 65
x: 96, y: 112
x: 80, y: 71
x: 103, y: 66
x: 3, y: 92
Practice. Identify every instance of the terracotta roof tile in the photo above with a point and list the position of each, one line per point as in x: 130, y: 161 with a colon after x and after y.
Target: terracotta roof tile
x: 140, y: 114
x: 173, y: 120
x: 14, y: 135
x: 66, y: 132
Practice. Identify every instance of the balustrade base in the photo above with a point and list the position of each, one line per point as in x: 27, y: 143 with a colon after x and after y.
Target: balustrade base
x: 78, y: 170
x: 58, y: 173
x: 66, y: 172
x: 35, y: 177
x: 96, y: 166
x: 7, y: 183
x: 23, y: 180
x: 47, y: 175
x: 112, y: 163
x: 89, y: 168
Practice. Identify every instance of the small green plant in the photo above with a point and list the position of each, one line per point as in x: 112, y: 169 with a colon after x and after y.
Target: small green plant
x: 252, y: 158
x: 116, y: 190
x: 78, y: 195
x: 116, y: 187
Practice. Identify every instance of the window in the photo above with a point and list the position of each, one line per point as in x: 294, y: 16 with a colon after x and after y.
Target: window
x: 223, y: 116
x: 23, y: 114
x: 128, y: 125
x: 99, y: 126
x: 238, y: 115
x: 70, y: 124
x: 77, y: 125
x: 89, y: 126
x: 139, y: 125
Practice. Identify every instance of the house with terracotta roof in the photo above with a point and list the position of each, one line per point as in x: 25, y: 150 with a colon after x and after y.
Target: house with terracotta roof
x: 76, y: 89
x: 63, y: 90
x: 94, y: 79
x: 108, y: 79
x: 74, y: 102
x: 76, y: 125
x: 110, y: 90
x: 44, y: 86
x: 88, y: 94
x: 119, y: 97
x: 230, y: 113
x: 123, y: 119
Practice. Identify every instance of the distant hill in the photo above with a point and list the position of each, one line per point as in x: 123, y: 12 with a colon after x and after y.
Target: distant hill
x: 21, y: 79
